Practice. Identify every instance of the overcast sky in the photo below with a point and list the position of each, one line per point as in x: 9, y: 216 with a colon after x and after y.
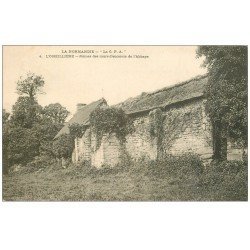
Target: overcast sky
x: 82, y: 80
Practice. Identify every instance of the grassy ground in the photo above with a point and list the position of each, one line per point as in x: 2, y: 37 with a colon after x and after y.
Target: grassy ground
x: 79, y: 184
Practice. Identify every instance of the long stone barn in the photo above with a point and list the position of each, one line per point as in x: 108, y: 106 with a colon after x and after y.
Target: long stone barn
x: 185, y: 127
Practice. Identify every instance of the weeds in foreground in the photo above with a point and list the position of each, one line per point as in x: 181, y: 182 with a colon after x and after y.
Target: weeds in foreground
x: 178, y: 178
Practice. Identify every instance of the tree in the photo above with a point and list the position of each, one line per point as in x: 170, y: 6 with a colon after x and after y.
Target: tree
x: 23, y: 145
x: 226, y: 94
x: 5, y: 116
x: 63, y: 146
x: 56, y: 113
x: 31, y: 128
x: 53, y: 118
x: 5, y: 141
x: 45, y: 133
x: 30, y: 86
x: 25, y: 112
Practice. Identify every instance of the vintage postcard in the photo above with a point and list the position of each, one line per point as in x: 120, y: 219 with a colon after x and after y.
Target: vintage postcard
x: 125, y: 123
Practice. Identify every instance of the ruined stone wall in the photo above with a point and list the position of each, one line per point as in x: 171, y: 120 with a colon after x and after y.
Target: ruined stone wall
x: 185, y: 128
x: 109, y: 152
x: 82, y: 151
x: 140, y: 143
x: 188, y: 129
x: 97, y: 152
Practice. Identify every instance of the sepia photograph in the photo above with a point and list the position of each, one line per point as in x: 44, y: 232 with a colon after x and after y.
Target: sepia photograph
x: 125, y: 123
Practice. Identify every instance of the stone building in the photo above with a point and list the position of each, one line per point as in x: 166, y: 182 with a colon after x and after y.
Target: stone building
x: 185, y: 127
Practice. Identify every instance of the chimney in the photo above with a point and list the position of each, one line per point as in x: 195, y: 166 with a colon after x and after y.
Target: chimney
x: 80, y: 106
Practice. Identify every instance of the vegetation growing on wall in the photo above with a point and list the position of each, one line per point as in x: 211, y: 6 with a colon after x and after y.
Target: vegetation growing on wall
x: 110, y: 120
x: 77, y: 130
x: 156, y: 129
x: 177, y: 121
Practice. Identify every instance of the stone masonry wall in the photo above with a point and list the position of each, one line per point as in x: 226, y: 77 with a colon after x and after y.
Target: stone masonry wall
x: 108, y: 153
x: 188, y: 129
x: 140, y: 143
x: 185, y: 129
x: 82, y: 150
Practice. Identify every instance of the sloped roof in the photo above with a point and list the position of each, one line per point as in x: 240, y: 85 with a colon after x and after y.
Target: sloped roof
x: 166, y: 96
x: 146, y: 101
x: 81, y: 117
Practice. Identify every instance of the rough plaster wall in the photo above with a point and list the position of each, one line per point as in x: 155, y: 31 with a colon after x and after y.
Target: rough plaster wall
x: 187, y: 129
x: 108, y: 153
x: 97, y: 155
x: 77, y: 149
x: 73, y: 158
x: 86, y: 143
x: 82, y: 149
x: 140, y: 143
x: 113, y: 150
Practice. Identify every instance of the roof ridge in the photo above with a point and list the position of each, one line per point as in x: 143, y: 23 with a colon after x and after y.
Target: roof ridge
x: 138, y: 97
x: 91, y: 103
x: 164, y: 105
x: 81, y: 116
x: 196, y: 78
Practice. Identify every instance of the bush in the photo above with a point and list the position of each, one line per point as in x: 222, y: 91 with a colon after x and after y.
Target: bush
x: 63, y: 146
x: 184, y: 166
x: 218, y: 181
x: 23, y: 145
x: 228, y: 167
x: 40, y: 162
x: 216, y: 172
x: 227, y: 180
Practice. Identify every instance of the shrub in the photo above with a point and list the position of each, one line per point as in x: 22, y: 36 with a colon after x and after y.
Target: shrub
x: 233, y: 167
x: 63, y: 146
x: 186, y: 166
x: 39, y: 162
x: 226, y: 180
x: 23, y: 145
x: 183, y: 166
